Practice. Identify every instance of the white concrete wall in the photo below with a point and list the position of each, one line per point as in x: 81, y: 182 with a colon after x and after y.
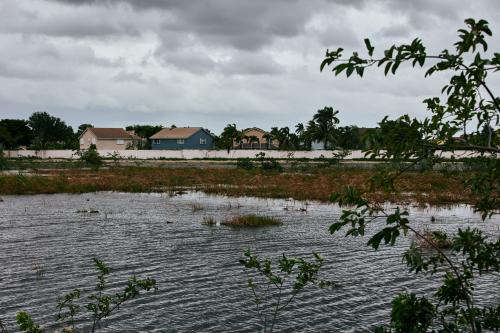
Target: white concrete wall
x: 193, y: 153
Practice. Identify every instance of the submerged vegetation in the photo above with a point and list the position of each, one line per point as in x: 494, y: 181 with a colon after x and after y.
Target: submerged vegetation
x: 251, y: 220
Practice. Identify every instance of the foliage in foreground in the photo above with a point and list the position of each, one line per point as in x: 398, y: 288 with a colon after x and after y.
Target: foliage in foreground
x: 452, y: 308
x: 274, y: 289
x: 100, y: 304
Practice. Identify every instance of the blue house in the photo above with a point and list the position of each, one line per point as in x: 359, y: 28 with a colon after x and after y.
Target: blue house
x: 182, y: 138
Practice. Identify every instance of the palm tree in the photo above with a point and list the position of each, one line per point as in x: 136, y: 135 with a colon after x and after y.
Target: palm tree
x: 251, y: 139
x: 324, y: 126
x: 300, y: 131
x: 284, y: 137
x: 230, y: 135
x: 269, y: 139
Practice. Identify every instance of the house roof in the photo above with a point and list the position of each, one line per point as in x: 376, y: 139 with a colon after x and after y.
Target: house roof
x: 110, y: 133
x: 253, y: 129
x: 177, y: 133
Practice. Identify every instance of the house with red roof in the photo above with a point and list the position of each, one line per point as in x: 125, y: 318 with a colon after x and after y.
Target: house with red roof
x: 108, y: 139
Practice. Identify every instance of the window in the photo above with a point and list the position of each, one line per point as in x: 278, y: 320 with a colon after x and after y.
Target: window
x: 93, y: 141
x: 180, y: 141
x: 120, y: 142
x: 156, y: 141
x: 82, y: 141
x: 203, y: 141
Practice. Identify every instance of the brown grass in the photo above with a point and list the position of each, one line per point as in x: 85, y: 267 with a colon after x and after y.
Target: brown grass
x: 251, y: 221
x: 422, y: 187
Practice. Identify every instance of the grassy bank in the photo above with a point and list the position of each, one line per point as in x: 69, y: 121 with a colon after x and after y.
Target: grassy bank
x: 429, y: 187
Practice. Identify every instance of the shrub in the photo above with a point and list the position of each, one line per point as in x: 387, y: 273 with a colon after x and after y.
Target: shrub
x: 272, y: 165
x: 245, y: 163
x: 91, y: 157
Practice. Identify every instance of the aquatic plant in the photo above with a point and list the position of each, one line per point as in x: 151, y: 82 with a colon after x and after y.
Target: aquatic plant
x: 251, y: 220
x: 209, y: 220
x: 196, y: 207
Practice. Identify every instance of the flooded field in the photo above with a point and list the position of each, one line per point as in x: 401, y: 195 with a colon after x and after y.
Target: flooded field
x: 47, y: 243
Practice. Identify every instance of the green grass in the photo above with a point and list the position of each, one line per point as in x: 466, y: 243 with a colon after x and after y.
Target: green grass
x: 251, y: 220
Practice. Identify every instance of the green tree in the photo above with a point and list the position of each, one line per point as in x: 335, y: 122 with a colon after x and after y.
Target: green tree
x: 144, y: 131
x: 347, y: 137
x: 322, y: 126
x: 229, y: 136
x: 269, y: 140
x: 468, y: 99
x: 15, y: 133
x: 82, y: 129
x: 50, y: 132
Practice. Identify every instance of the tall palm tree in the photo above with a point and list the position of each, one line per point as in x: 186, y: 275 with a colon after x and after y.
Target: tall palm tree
x: 325, y: 121
x: 230, y: 135
x: 284, y: 137
x: 300, y: 131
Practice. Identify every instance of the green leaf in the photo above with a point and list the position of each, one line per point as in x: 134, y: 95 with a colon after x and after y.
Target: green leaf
x: 369, y: 47
x: 387, y: 68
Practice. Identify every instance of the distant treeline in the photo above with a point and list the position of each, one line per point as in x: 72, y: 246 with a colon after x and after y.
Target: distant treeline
x: 43, y: 131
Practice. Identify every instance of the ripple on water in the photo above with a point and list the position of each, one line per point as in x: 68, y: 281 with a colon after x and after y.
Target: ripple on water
x: 46, y: 248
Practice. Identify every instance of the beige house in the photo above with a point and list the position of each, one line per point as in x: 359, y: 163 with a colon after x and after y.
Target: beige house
x: 108, y: 139
x: 256, y: 138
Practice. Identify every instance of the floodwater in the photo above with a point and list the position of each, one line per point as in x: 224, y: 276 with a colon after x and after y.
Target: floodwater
x: 47, y: 243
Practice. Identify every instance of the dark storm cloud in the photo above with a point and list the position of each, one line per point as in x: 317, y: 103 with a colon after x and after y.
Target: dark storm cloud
x: 246, y: 25
x: 93, y: 22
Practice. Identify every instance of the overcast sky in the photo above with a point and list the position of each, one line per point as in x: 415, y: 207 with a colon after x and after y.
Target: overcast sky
x: 207, y: 63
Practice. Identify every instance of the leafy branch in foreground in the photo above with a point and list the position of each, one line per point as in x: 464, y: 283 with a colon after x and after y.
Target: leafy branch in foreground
x: 274, y: 289
x: 470, y: 255
x: 101, y: 304
x: 469, y: 103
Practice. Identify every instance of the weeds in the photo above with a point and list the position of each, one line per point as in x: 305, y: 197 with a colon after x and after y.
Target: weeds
x: 245, y: 163
x: 197, y: 207
x: 314, y: 184
x: 251, y: 221
x: 209, y: 220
